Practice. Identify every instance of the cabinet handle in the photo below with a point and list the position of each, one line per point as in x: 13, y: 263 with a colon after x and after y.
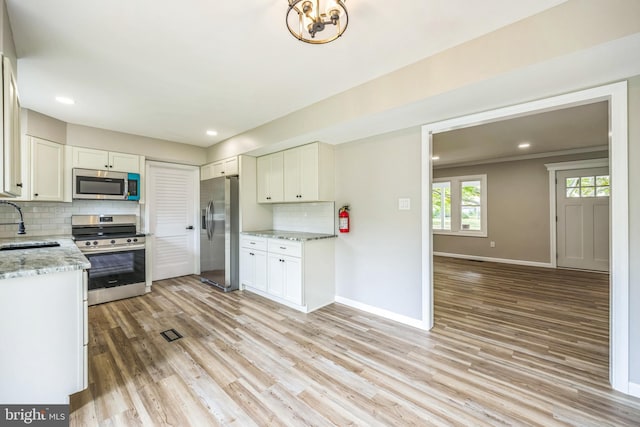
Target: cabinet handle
x: 252, y: 243
x: 106, y: 166
x: 282, y: 247
x: 222, y: 173
x: 268, y: 198
x: 19, y: 185
x: 251, y: 253
x: 36, y: 194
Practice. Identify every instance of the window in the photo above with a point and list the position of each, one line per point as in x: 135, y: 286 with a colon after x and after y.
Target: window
x: 459, y: 205
x: 587, y: 186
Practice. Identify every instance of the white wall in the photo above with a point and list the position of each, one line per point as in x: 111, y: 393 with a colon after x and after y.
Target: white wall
x: 378, y: 261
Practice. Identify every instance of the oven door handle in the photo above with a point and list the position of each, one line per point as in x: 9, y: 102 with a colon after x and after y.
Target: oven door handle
x: 86, y: 252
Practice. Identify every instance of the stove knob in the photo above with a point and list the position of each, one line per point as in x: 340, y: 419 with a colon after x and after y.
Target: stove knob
x: 88, y: 244
x: 128, y: 240
x: 95, y: 243
x: 135, y: 240
x: 113, y: 242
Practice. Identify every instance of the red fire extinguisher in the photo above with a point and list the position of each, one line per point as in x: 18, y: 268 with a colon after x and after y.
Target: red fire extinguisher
x: 343, y: 219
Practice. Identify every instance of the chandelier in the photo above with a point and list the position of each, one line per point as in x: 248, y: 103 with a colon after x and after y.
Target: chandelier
x: 317, y: 21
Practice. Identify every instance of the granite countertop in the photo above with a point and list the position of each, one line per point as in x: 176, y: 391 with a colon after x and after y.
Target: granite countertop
x: 44, y: 260
x: 299, y: 236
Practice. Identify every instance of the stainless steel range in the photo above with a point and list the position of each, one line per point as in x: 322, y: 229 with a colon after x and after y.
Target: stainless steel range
x: 116, y: 252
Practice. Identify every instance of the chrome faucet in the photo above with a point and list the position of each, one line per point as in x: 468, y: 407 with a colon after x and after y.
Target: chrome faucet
x: 20, y: 223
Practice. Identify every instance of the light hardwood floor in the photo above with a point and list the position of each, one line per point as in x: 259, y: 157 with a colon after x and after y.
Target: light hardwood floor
x: 511, y: 346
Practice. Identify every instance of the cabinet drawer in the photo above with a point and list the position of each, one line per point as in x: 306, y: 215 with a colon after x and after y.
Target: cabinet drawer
x: 253, y: 242
x: 285, y: 247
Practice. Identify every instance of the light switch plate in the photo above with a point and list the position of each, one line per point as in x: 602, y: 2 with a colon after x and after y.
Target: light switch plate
x: 404, y: 204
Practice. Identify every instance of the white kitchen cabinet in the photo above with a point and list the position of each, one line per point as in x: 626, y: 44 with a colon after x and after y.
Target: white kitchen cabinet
x: 285, y: 277
x: 44, y: 325
x: 11, y: 165
x: 270, y: 178
x: 307, y: 174
x: 89, y: 158
x: 298, y: 274
x: 253, y: 262
x: 47, y: 171
x: 226, y: 167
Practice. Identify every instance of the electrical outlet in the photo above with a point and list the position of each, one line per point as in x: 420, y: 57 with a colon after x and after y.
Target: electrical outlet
x: 492, y: 244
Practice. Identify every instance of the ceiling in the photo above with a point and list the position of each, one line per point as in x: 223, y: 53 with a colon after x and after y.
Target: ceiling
x: 172, y: 70
x: 581, y: 128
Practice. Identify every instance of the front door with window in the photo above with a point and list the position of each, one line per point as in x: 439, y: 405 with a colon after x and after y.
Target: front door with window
x: 582, y: 209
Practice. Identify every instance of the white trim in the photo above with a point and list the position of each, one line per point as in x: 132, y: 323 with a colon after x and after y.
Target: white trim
x: 578, y: 164
x: 410, y: 321
x: 634, y: 389
x: 427, y: 233
x: 616, y: 94
x: 525, y: 157
x: 553, y: 168
x: 499, y: 260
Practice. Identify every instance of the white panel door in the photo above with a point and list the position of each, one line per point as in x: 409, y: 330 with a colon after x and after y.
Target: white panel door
x: 583, y: 218
x: 172, y: 219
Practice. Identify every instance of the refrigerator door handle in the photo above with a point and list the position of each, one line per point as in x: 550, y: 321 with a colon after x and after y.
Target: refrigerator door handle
x: 210, y: 222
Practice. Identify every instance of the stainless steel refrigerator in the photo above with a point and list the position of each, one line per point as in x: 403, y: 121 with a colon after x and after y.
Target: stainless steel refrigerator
x: 219, y: 240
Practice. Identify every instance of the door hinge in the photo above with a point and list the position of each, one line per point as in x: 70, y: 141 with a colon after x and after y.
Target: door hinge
x: 556, y: 218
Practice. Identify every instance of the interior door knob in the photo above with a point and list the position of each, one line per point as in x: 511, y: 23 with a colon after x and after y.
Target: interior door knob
x: 190, y: 227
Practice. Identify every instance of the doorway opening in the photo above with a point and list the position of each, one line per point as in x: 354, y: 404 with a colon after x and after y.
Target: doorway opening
x: 615, y: 96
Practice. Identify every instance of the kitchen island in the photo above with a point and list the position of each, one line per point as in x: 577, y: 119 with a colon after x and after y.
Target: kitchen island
x: 293, y: 268
x: 43, y: 320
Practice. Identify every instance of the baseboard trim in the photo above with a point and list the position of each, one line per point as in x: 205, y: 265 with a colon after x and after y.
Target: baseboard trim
x: 499, y: 260
x: 410, y: 321
x: 634, y: 389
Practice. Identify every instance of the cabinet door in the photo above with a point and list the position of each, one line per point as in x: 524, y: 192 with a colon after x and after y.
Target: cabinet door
x: 270, y: 178
x: 260, y: 278
x: 218, y: 169
x: 206, y: 172
x: 276, y: 275
x: 231, y: 166
x: 123, y: 162
x: 292, y: 279
x: 11, y: 167
x: 88, y: 158
x: 47, y: 161
x: 301, y: 173
x: 247, y: 267
x: 292, y: 175
x: 309, y: 173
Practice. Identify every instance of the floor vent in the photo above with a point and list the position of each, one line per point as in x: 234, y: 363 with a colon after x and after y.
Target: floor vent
x: 171, y: 335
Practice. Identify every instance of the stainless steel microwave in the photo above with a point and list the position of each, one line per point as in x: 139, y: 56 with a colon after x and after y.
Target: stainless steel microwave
x: 105, y: 185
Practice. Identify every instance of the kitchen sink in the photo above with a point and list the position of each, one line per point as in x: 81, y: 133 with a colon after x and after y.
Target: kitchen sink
x: 28, y: 245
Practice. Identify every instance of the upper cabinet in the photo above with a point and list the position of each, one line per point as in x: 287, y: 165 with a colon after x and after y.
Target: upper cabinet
x: 223, y: 167
x: 302, y: 174
x: 270, y: 178
x: 47, y: 168
x: 10, y: 166
x: 88, y: 158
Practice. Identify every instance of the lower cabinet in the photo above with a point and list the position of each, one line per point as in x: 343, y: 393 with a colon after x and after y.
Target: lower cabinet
x: 285, y: 277
x: 299, y: 274
x: 253, y: 268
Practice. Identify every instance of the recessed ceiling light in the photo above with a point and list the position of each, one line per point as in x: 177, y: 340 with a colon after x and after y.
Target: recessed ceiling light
x: 524, y: 145
x: 65, y: 100
x: 212, y: 132
x: 435, y: 158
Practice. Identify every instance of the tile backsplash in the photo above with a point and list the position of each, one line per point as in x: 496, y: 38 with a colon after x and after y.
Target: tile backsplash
x: 52, y: 218
x: 308, y: 217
